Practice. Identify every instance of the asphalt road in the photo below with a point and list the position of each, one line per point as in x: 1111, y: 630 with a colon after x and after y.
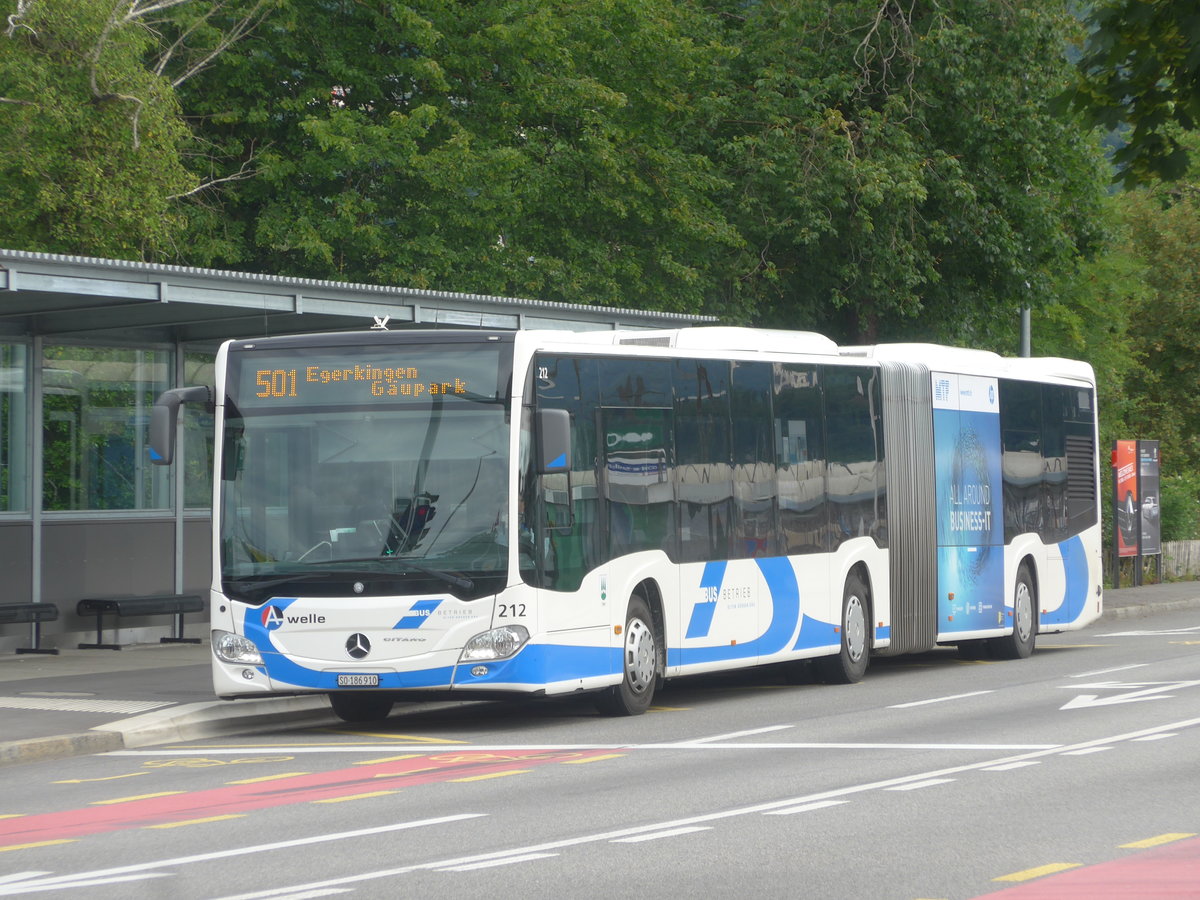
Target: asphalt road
x: 935, y: 778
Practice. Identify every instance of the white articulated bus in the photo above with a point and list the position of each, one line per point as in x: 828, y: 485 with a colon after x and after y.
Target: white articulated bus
x: 545, y: 512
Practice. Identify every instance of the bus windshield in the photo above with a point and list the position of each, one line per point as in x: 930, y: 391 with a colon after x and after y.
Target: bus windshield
x: 344, y: 478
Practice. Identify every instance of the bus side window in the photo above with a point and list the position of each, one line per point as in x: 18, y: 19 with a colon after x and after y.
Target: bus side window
x: 754, y: 493
x: 800, y: 458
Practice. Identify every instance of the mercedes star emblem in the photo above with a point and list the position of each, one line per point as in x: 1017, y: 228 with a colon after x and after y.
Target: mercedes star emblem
x: 358, y: 646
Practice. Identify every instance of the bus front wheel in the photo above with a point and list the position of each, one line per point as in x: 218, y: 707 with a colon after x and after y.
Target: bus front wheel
x: 639, y: 662
x: 356, y: 706
x: 849, y: 665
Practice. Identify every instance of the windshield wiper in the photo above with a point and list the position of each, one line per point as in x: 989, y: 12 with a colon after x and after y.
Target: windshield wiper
x: 461, y: 582
x: 248, y: 582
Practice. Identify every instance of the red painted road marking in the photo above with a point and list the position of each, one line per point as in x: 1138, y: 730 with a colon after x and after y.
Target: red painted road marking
x: 1169, y: 871
x: 239, y: 798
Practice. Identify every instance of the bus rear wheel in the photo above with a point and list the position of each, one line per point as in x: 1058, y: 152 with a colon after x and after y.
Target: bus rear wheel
x: 360, y: 706
x: 849, y: 665
x: 639, y: 662
x: 1019, y: 644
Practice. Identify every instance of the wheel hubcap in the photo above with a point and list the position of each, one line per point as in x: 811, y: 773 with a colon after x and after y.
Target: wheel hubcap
x: 641, y: 655
x: 1023, y: 610
x: 856, y: 627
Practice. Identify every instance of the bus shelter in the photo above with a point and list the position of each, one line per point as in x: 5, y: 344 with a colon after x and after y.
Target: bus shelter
x: 87, y: 344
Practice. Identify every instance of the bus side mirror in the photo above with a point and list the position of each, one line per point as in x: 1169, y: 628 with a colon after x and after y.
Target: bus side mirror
x: 554, y: 441
x: 164, y: 418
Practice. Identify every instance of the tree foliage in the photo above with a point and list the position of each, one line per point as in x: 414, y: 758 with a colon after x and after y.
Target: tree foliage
x: 1164, y: 232
x: 90, y: 139
x: 529, y: 147
x: 1141, y: 68
x: 898, y: 169
x: 94, y: 150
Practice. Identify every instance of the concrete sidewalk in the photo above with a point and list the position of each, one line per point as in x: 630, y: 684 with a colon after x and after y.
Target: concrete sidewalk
x: 92, y: 701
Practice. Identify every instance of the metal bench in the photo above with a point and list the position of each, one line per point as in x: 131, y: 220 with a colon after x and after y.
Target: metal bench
x: 35, y: 613
x: 122, y: 607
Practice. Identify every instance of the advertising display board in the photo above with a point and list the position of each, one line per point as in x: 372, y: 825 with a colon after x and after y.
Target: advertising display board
x: 1125, y: 471
x: 1148, y: 496
x: 970, y: 534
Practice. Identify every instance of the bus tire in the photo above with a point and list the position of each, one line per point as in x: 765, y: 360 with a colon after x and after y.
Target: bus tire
x: 639, y: 663
x: 849, y: 664
x: 1019, y: 644
x: 361, y: 706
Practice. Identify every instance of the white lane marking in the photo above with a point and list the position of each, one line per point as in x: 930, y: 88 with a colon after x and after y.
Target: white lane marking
x: 928, y: 782
x: 551, y: 846
x: 312, y: 895
x: 937, y: 700
x: 21, y: 876
x: 144, y: 870
x: 71, y: 883
x: 63, y: 704
x: 673, y: 832
x: 807, y: 807
x: 1156, y: 737
x: 1108, y: 671
x: 1150, y: 690
x: 1007, y: 767
x: 528, y: 857
x: 1168, y: 631
x: 738, y: 734
x: 429, y: 749
x: 1086, y: 751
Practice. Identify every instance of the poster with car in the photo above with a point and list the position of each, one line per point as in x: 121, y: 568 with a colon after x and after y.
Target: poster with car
x: 1124, y: 460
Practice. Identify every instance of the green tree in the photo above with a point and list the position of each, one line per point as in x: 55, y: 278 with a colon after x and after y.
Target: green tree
x: 897, y: 169
x: 530, y: 147
x: 1165, y: 231
x: 92, y: 141
x: 1141, y: 68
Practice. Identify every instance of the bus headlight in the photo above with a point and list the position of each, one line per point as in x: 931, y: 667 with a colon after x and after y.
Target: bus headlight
x: 233, y: 648
x: 499, y: 643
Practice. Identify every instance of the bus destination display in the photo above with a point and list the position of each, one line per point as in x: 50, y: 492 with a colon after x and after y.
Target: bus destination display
x: 320, y: 379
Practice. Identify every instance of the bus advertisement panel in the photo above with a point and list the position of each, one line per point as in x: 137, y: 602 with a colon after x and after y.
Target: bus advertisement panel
x: 966, y: 436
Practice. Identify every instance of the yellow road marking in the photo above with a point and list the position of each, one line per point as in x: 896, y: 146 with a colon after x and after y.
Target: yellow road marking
x: 669, y: 709
x: 356, y: 797
x: 491, y: 775
x: 1069, y: 646
x: 38, y: 844
x: 371, y: 762
x: 11, y: 815
x: 196, y: 821
x: 1185, y: 643
x: 1156, y: 841
x: 1030, y: 874
x: 410, y: 738
x: 269, y: 777
x: 138, y: 797
x: 107, y: 778
x: 590, y: 759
